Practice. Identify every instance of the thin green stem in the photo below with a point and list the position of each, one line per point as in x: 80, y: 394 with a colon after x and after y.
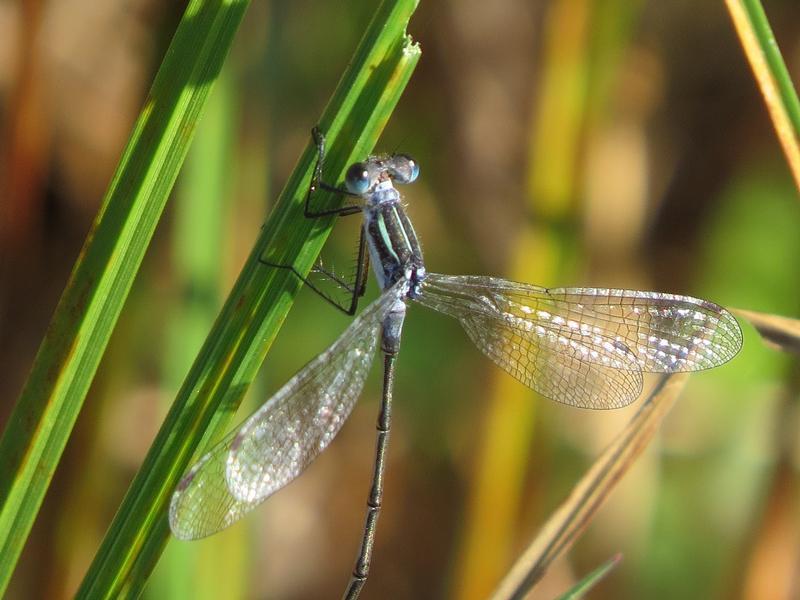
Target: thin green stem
x: 773, y: 77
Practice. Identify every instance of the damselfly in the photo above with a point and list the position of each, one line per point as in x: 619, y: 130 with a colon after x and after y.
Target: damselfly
x: 586, y: 347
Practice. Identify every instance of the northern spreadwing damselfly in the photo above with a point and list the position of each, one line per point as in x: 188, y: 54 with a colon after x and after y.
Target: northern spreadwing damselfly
x: 586, y: 347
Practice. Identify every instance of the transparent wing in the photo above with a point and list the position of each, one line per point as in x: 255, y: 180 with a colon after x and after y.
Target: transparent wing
x: 590, y: 343
x: 669, y: 333
x: 278, y: 441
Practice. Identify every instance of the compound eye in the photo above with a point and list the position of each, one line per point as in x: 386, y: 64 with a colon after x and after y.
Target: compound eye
x: 357, y: 179
x: 404, y: 168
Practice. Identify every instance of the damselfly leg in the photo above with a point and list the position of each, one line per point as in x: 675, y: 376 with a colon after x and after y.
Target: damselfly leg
x: 318, y: 184
x: 355, y: 286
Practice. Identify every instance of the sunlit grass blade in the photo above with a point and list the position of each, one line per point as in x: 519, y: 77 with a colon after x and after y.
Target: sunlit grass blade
x: 782, y: 333
x: 564, y: 526
x: 257, y: 305
x: 769, y: 68
x: 79, y: 330
x: 592, y: 579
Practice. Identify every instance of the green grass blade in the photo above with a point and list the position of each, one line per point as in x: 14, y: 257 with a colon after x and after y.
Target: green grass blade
x: 583, y: 587
x: 773, y: 77
x: 257, y: 305
x: 67, y: 359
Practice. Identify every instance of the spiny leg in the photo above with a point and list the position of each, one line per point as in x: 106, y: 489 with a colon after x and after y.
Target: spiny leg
x: 358, y: 286
x: 316, y: 182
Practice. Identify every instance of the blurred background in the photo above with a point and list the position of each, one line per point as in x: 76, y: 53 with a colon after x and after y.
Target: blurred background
x: 561, y: 142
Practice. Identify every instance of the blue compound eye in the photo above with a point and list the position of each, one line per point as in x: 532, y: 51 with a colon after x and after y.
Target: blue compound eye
x: 357, y: 179
x: 404, y: 168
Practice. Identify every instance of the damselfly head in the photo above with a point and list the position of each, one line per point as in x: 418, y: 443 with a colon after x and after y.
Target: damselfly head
x: 362, y: 176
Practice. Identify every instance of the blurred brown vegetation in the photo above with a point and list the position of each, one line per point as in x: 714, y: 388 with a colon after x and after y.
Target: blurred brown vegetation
x: 564, y: 142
